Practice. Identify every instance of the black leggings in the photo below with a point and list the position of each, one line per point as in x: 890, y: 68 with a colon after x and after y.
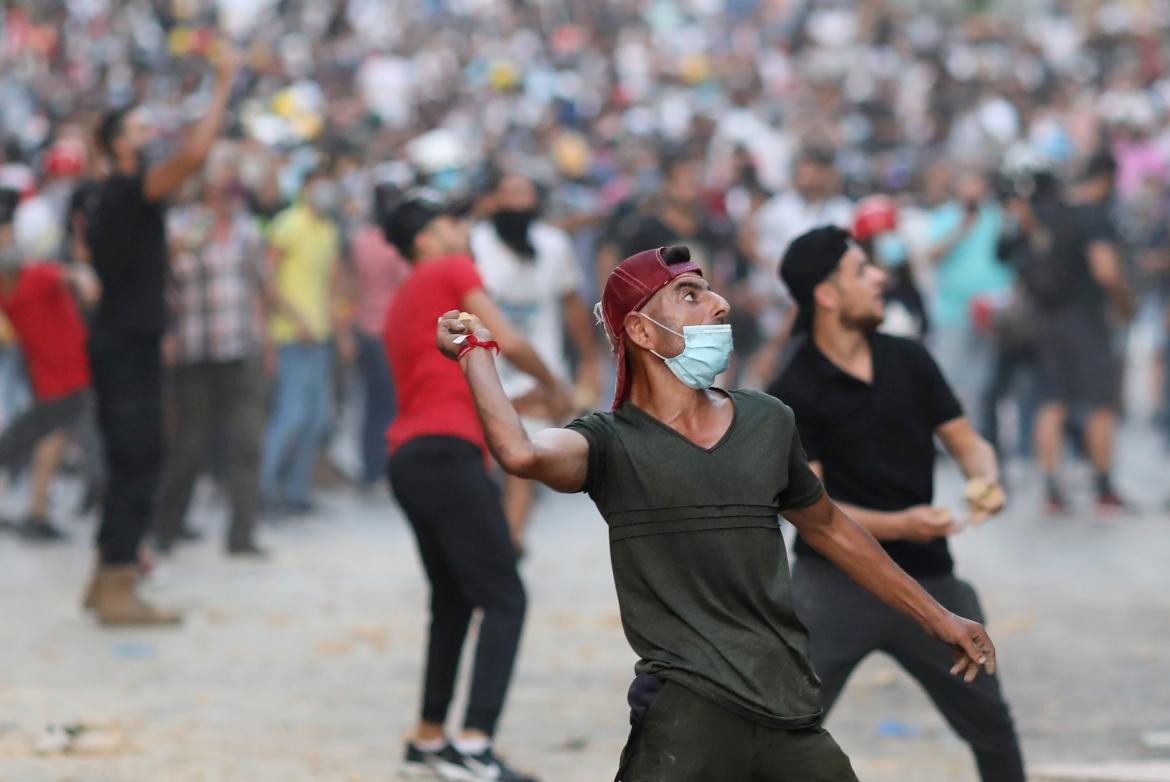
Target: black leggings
x: 454, y: 508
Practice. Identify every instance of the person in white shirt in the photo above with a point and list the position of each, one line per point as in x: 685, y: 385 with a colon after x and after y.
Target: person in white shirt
x: 529, y: 267
x: 813, y: 200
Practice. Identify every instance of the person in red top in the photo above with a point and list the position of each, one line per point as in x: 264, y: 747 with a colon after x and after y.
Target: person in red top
x: 438, y: 472
x: 37, y: 297
x: 379, y: 270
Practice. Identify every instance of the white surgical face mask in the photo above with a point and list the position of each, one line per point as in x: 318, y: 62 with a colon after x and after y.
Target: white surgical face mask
x: 706, y: 353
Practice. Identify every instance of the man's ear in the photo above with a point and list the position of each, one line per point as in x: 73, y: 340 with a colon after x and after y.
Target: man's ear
x: 826, y: 295
x: 422, y: 244
x: 638, y: 329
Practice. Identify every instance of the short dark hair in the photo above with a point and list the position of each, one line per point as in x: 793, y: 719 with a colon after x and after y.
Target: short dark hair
x: 404, y: 221
x: 670, y: 162
x: 1101, y: 164
x: 815, y: 156
x: 111, y: 127
x: 675, y: 254
x: 808, y: 261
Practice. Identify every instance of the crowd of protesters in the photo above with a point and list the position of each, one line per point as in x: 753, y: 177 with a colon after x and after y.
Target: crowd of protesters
x: 208, y: 240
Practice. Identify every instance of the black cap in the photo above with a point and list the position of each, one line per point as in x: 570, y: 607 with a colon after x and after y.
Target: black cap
x: 403, y: 221
x: 404, y: 217
x: 809, y: 259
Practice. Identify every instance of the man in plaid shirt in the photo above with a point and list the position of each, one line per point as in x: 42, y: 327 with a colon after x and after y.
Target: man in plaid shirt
x: 214, y: 348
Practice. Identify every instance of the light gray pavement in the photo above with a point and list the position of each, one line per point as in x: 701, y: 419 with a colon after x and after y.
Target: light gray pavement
x: 307, y: 667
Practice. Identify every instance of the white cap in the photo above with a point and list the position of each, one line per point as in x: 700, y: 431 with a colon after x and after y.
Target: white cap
x: 36, y: 229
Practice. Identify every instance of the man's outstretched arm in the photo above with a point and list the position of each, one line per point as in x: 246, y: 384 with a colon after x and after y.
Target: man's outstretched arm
x: 846, y: 543
x: 558, y: 458
x: 165, y: 177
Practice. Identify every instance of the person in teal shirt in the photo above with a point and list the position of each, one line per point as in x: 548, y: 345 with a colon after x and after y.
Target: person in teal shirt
x: 964, y: 236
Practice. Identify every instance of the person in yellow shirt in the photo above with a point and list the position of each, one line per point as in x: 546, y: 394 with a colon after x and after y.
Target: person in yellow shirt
x: 303, y: 257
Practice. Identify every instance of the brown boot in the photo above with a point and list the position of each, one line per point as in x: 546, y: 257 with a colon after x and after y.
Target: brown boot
x: 117, y: 603
x: 89, y: 603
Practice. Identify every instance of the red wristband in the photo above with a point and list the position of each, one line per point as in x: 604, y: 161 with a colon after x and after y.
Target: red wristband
x: 472, y: 342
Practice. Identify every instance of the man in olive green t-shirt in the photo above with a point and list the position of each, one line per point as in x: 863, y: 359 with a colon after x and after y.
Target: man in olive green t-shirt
x: 690, y: 480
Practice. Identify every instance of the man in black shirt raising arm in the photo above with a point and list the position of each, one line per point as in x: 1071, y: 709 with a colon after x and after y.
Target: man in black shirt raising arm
x: 127, y: 241
x: 690, y: 480
x: 868, y: 407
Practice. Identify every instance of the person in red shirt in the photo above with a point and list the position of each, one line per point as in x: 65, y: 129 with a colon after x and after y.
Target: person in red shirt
x: 378, y: 271
x: 438, y: 473
x: 37, y: 297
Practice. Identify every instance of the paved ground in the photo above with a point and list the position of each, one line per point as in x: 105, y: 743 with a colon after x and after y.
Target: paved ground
x: 307, y: 667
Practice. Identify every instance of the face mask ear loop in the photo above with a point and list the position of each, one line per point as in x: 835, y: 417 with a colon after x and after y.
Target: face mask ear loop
x: 667, y: 328
x: 661, y: 326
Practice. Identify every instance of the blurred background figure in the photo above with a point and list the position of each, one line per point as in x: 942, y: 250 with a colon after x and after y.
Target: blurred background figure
x: 213, y: 349
x: 876, y: 229
x: 1031, y: 198
x: 306, y: 274
x: 965, y: 233
x: 814, y: 199
x: 37, y: 295
x: 378, y: 271
x: 1083, y: 299
x: 126, y: 233
x: 528, y: 267
x: 676, y: 213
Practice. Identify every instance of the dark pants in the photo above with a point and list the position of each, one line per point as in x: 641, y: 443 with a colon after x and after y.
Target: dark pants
x: 73, y: 413
x: 379, y: 404
x: 454, y: 508
x: 1012, y: 372
x: 209, y: 398
x: 127, y: 378
x: 846, y: 623
x: 684, y: 737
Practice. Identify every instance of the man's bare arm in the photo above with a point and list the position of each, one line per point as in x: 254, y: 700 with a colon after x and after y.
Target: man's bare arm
x: 1107, y: 269
x: 165, y: 177
x: 918, y: 523
x: 84, y: 282
x: 513, y: 345
x: 974, y: 455
x: 558, y: 458
x: 976, y: 458
x: 842, y: 540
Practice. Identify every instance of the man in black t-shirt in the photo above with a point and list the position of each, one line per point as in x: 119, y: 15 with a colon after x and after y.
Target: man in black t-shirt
x: 690, y: 480
x: 126, y: 238
x: 868, y: 407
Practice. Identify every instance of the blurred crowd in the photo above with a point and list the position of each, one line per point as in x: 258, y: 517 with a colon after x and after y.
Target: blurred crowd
x: 960, y: 142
